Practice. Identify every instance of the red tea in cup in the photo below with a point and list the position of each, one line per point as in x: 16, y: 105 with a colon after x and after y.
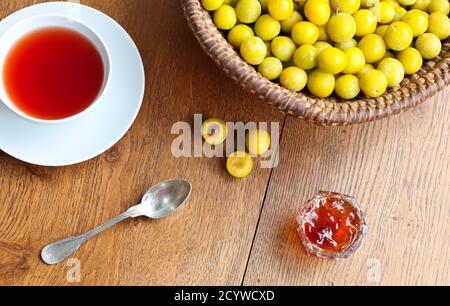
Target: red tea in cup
x: 53, y: 73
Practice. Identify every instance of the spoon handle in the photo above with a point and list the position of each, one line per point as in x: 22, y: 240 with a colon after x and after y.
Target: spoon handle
x: 105, y: 226
x: 60, y: 250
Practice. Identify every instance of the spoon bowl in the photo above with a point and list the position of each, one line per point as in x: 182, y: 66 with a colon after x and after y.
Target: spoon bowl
x: 165, y: 198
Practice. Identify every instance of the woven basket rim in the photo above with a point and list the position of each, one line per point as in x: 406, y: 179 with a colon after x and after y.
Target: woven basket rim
x: 433, y: 77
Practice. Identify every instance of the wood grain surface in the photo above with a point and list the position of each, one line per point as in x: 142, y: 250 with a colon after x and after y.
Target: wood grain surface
x: 232, y: 231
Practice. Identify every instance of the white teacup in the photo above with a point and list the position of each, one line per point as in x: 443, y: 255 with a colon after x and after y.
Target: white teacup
x: 24, y: 27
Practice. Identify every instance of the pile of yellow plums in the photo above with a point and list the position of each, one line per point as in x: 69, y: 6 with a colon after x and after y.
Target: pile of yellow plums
x: 239, y: 164
x: 341, y: 46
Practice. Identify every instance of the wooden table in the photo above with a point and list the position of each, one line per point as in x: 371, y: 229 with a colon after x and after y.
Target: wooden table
x: 232, y: 232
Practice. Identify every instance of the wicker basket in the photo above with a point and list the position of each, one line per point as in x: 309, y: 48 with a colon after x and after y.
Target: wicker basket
x: 414, y: 90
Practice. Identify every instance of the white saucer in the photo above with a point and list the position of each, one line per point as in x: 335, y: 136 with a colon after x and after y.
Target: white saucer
x: 97, y: 131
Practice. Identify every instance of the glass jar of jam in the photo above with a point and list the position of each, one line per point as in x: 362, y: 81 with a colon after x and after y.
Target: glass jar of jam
x: 331, y: 225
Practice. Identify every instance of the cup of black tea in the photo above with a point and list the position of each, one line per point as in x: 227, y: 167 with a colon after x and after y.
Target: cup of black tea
x: 53, y: 68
